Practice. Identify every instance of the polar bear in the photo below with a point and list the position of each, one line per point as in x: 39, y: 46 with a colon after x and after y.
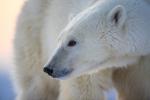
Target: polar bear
x: 86, y: 47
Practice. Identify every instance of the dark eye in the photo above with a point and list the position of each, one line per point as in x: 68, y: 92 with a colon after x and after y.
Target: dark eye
x: 72, y: 43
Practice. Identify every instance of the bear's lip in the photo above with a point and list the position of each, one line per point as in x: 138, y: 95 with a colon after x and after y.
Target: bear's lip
x: 65, y: 77
x: 62, y: 74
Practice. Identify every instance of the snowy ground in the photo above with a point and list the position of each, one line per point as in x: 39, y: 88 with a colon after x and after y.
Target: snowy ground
x: 6, y: 88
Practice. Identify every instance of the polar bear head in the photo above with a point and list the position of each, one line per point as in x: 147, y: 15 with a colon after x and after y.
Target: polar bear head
x: 96, y: 39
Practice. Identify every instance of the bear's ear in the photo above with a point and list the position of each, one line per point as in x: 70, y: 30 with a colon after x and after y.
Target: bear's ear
x: 117, y: 16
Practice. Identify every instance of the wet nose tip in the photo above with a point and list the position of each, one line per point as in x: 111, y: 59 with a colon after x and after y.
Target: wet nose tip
x: 49, y: 71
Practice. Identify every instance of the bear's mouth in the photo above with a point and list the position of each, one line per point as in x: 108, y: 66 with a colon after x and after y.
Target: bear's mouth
x: 62, y: 73
x: 59, y: 73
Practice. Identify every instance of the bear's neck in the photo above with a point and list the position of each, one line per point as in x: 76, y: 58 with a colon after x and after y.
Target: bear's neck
x: 132, y: 81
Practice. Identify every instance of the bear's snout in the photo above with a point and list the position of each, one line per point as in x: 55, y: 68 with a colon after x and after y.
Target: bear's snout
x: 57, y: 73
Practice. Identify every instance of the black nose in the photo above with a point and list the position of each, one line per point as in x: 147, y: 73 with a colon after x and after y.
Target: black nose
x: 49, y: 71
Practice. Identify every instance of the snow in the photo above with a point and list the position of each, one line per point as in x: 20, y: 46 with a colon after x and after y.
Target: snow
x: 6, y: 87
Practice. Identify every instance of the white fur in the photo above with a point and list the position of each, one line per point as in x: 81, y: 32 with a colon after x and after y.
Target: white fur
x: 117, y: 54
